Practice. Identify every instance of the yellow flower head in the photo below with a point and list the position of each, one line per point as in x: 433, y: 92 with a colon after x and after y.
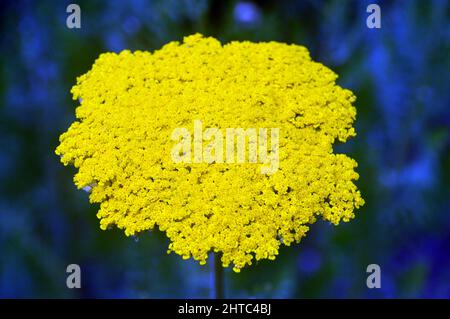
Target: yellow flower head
x: 122, y: 143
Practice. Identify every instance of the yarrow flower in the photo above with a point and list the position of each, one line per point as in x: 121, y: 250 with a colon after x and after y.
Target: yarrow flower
x: 121, y: 144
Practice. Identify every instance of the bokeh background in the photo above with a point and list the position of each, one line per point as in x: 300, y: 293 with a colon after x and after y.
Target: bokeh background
x: 400, y: 74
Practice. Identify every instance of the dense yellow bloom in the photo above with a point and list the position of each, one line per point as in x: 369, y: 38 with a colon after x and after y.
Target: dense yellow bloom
x: 121, y: 145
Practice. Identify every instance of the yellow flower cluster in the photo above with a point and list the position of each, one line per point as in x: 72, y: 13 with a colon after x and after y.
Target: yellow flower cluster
x: 121, y: 144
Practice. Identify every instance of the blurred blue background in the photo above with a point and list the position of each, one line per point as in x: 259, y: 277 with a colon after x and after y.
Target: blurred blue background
x: 400, y: 74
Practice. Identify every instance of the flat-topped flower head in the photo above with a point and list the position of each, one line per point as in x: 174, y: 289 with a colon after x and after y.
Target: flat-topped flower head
x: 122, y: 145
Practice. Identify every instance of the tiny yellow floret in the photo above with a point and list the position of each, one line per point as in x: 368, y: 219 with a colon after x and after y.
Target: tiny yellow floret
x: 121, y: 145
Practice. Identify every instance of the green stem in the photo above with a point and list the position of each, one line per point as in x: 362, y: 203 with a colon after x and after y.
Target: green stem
x: 218, y: 277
